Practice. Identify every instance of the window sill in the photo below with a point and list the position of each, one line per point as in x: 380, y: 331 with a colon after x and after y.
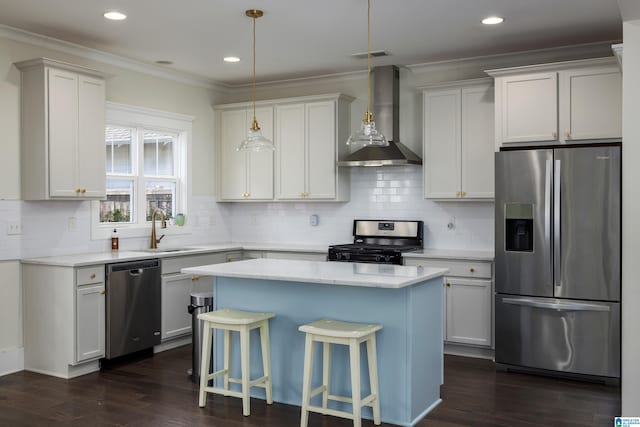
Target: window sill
x: 101, y: 232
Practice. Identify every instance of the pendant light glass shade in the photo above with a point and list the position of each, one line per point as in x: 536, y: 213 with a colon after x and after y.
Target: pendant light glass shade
x: 255, y: 141
x: 368, y: 135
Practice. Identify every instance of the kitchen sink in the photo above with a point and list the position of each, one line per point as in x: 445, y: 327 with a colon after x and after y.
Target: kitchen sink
x: 159, y: 250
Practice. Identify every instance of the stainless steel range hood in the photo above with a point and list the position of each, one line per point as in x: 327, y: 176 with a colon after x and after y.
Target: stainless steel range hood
x: 386, y: 113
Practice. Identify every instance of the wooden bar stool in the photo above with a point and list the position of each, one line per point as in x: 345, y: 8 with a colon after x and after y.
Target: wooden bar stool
x: 243, y: 322
x: 351, y: 334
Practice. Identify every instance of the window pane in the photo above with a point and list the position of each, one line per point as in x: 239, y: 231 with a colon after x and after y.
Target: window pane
x: 117, y: 207
x: 118, y: 145
x: 158, y: 153
x: 160, y: 195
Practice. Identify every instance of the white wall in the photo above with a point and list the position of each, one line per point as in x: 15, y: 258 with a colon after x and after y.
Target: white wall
x: 631, y: 221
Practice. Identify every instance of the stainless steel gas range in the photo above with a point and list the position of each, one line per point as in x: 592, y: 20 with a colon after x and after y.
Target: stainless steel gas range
x: 379, y: 241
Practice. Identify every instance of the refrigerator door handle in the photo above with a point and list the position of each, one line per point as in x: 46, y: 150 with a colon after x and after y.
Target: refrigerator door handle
x: 547, y: 217
x: 557, y: 234
x: 560, y: 306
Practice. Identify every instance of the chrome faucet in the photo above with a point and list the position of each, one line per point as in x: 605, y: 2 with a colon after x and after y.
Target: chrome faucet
x: 163, y: 224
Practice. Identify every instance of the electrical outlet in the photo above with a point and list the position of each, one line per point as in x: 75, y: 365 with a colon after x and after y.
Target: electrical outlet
x: 71, y: 224
x: 14, y: 228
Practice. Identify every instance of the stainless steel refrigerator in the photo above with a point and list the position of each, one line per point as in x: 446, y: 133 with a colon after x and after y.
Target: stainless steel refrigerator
x: 557, y: 301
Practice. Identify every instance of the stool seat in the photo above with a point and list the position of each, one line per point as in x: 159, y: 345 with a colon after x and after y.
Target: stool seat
x: 228, y: 316
x: 338, y: 329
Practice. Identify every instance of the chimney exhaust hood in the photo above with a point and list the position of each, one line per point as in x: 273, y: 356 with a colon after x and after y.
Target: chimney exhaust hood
x: 386, y: 100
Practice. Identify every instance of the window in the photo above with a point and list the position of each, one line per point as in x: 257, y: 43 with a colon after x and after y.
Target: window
x: 147, y: 156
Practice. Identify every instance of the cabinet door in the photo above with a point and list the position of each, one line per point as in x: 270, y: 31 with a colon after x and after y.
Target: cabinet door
x: 529, y: 107
x: 590, y: 104
x: 468, y: 303
x: 233, y: 169
x: 321, y: 150
x: 90, y: 326
x: 63, y: 132
x: 176, y: 296
x: 477, y: 147
x: 442, y: 144
x: 291, y: 152
x: 91, y: 149
x: 260, y: 164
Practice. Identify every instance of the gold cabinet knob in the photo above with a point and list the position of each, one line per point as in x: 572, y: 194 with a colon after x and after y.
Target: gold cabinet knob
x: 195, y: 278
x: 248, y: 194
x: 93, y: 276
x: 77, y: 190
x: 463, y: 193
x: 103, y: 292
x: 84, y: 190
x: 567, y: 134
x: 554, y: 134
x: 472, y: 270
x: 458, y: 193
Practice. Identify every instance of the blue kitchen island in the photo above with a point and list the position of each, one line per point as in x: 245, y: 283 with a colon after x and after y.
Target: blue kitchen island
x: 406, y: 301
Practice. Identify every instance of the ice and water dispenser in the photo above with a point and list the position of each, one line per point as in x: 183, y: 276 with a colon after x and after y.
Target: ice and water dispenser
x: 518, y: 227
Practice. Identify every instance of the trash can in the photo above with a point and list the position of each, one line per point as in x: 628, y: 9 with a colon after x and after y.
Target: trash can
x: 201, y: 302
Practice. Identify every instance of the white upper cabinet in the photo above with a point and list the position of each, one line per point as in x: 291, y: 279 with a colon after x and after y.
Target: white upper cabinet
x: 566, y: 102
x: 63, y: 119
x: 308, y: 132
x: 245, y: 175
x: 458, y: 141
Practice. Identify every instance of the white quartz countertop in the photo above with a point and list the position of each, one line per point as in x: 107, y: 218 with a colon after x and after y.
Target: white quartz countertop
x: 334, y: 273
x: 83, y: 259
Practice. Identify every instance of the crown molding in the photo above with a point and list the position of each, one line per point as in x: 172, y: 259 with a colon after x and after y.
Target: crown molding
x: 553, y: 66
x: 75, y: 49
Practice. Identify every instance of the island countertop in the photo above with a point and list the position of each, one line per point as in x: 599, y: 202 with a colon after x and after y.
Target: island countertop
x: 334, y: 273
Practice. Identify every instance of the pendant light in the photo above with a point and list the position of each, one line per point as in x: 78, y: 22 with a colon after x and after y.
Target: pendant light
x: 255, y: 141
x: 368, y: 135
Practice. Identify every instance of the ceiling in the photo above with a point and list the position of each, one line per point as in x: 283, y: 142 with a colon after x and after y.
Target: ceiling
x: 298, y: 38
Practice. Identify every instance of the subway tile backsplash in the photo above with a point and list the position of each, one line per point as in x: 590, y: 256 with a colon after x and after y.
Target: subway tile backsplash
x: 376, y: 193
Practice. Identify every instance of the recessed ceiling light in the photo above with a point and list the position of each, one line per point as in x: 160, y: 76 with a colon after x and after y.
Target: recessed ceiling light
x: 114, y: 15
x: 164, y: 62
x: 231, y: 59
x: 492, y: 20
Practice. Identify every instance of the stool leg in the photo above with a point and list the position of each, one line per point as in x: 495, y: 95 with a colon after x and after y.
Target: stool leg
x: 306, y: 379
x: 266, y: 359
x: 205, y: 363
x: 354, y: 356
x: 244, y: 356
x: 373, y: 377
x: 227, y: 357
x: 326, y: 372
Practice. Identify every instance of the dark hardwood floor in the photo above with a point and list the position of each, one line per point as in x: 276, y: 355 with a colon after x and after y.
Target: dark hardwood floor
x: 156, y: 392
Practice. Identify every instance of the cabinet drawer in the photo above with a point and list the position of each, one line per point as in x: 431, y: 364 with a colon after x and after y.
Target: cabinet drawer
x: 88, y: 275
x: 458, y: 268
x: 174, y: 264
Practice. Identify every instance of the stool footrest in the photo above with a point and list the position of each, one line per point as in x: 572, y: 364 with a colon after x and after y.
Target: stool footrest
x: 367, y: 401
x: 317, y: 391
x: 340, y: 398
x: 216, y: 374
x: 218, y: 390
x: 258, y: 382
x: 328, y: 411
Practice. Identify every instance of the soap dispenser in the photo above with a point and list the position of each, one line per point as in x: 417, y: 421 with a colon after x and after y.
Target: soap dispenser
x: 115, y: 240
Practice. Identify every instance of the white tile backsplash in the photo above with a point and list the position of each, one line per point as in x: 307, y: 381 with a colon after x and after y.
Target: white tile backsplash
x: 376, y: 193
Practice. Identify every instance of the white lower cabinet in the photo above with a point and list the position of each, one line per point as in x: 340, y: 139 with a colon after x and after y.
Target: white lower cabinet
x: 468, y: 308
x: 90, y: 318
x: 468, y: 301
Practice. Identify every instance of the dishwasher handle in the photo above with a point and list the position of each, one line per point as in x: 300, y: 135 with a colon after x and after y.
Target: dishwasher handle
x: 137, y: 272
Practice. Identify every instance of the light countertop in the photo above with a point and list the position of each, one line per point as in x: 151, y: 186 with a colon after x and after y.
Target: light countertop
x: 334, y: 273
x: 84, y: 259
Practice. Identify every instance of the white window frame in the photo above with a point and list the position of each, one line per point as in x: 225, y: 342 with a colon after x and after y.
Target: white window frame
x: 150, y: 119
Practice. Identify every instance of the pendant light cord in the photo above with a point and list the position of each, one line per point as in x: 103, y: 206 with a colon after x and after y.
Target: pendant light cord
x: 368, y: 114
x: 255, y: 121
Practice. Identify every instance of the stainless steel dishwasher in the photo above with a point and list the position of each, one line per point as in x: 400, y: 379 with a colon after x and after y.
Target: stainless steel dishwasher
x: 133, y: 306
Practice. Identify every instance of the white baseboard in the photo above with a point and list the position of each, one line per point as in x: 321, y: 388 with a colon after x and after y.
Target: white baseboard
x: 469, y: 351
x: 11, y: 361
x: 171, y: 344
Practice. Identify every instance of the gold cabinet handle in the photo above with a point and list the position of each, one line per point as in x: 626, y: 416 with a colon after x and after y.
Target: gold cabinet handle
x: 93, y: 276
x: 472, y: 270
x: 77, y: 190
x: 554, y: 134
x: 103, y: 292
x: 457, y: 193
x: 463, y: 193
x: 567, y: 134
x: 84, y: 190
x: 195, y: 278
